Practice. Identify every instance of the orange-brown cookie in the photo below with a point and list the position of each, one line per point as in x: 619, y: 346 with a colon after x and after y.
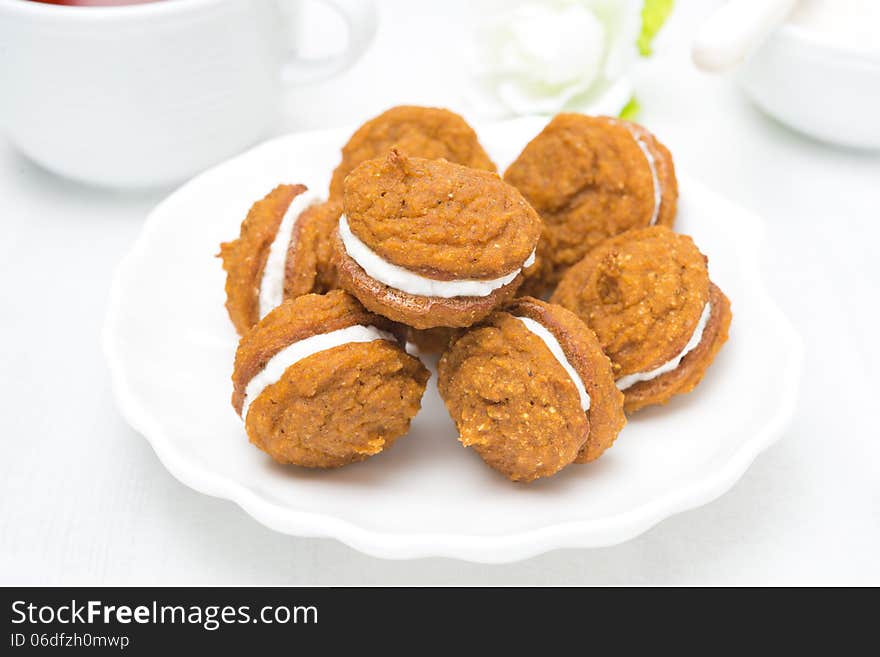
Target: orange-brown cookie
x: 591, y: 178
x: 320, y: 382
x: 430, y: 243
x: 283, y: 251
x: 310, y: 267
x: 428, y: 132
x: 531, y: 391
x: 433, y: 340
x: 648, y: 297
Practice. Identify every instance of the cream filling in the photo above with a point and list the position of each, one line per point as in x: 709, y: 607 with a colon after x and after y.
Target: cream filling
x: 652, y: 165
x: 406, y: 281
x: 272, y: 283
x: 291, y: 354
x: 658, y: 192
x: 556, y: 349
x: 630, y: 380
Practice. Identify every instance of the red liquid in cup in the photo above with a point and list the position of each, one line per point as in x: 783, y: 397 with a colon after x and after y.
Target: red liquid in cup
x: 94, y: 3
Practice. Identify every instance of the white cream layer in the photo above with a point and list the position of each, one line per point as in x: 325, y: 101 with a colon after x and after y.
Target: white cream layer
x: 406, y: 281
x: 556, y: 349
x: 658, y: 192
x: 291, y: 354
x: 272, y: 282
x: 652, y: 165
x: 630, y: 380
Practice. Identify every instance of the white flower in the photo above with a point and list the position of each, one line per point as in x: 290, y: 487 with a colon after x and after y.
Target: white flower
x: 542, y: 57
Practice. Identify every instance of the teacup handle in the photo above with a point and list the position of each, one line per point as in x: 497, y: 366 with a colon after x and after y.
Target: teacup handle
x: 361, y: 19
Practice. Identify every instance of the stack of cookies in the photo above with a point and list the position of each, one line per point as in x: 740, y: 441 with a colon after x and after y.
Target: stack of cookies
x: 558, y: 296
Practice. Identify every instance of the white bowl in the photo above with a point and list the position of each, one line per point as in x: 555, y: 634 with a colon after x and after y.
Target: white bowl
x: 822, y: 88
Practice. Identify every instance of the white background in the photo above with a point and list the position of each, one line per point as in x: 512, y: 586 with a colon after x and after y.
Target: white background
x: 85, y: 501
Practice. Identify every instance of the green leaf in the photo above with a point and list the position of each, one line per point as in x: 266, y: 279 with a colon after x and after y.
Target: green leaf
x: 631, y: 110
x: 654, y: 14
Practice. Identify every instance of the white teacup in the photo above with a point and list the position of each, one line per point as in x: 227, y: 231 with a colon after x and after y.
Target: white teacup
x: 149, y: 94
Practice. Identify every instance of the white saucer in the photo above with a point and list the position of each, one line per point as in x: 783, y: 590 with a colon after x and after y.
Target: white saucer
x: 170, y: 346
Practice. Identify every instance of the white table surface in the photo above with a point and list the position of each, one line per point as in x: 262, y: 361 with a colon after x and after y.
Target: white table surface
x: 85, y: 501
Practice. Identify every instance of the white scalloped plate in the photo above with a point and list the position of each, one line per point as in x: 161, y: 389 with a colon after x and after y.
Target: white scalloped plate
x: 170, y: 346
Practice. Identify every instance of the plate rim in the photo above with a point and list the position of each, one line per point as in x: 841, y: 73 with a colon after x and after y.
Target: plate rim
x: 497, y: 548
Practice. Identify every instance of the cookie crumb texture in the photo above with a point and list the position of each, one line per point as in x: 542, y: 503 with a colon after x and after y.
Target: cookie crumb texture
x: 589, y: 179
x: 334, y: 407
x: 296, y: 319
x: 694, y: 365
x: 438, y: 219
x: 309, y: 267
x: 245, y: 257
x: 642, y: 293
x: 428, y: 132
x: 585, y: 354
x: 511, y: 401
x: 338, y: 406
x: 433, y: 340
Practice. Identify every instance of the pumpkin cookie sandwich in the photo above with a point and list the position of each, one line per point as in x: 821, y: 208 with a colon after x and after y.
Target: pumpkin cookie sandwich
x: 320, y: 382
x: 428, y: 132
x: 531, y: 391
x: 591, y: 178
x: 429, y: 243
x: 648, y: 297
x: 280, y: 253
